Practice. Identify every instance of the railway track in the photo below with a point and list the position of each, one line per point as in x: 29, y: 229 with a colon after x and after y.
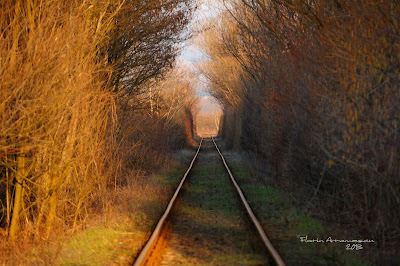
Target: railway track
x: 150, y: 253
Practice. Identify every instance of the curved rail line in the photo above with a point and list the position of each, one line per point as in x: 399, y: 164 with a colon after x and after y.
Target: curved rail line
x: 146, y: 251
x: 275, y: 255
x: 144, y: 254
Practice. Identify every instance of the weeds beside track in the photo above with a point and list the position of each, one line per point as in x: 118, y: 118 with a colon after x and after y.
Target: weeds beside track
x: 151, y: 251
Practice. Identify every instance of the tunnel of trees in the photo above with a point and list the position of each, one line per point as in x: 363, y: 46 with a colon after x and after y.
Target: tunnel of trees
x: 90, y: 91
x: 311, y: 89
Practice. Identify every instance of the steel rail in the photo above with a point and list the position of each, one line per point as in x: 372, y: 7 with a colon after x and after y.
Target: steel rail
x: 143, y: 255
x: 275, y: 255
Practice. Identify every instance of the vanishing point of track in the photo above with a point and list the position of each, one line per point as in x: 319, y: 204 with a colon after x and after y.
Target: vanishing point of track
x: 145, y: 257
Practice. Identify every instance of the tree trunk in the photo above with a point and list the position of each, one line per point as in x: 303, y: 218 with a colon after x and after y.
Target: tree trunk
x: 19, y: 180
x: 189, y: 127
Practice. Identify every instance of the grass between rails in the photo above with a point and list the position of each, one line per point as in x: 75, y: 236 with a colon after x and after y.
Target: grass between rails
x: 209, y: 227
x: 284, y: 223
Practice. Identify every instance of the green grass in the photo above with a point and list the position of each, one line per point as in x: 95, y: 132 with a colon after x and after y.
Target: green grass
x: 118, y: 241
x: 97, y: 246
x: 171, y: 177
x: 307, y: 225
x: 210, y: 211
x: 211, y: 189
x: 285, y: 224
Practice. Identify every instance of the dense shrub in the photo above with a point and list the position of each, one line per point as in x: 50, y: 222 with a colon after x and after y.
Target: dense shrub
x: 65, y: 95
x: 311, y: 87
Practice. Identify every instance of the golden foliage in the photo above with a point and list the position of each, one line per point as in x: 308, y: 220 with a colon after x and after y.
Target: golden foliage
x: 60, y: 140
